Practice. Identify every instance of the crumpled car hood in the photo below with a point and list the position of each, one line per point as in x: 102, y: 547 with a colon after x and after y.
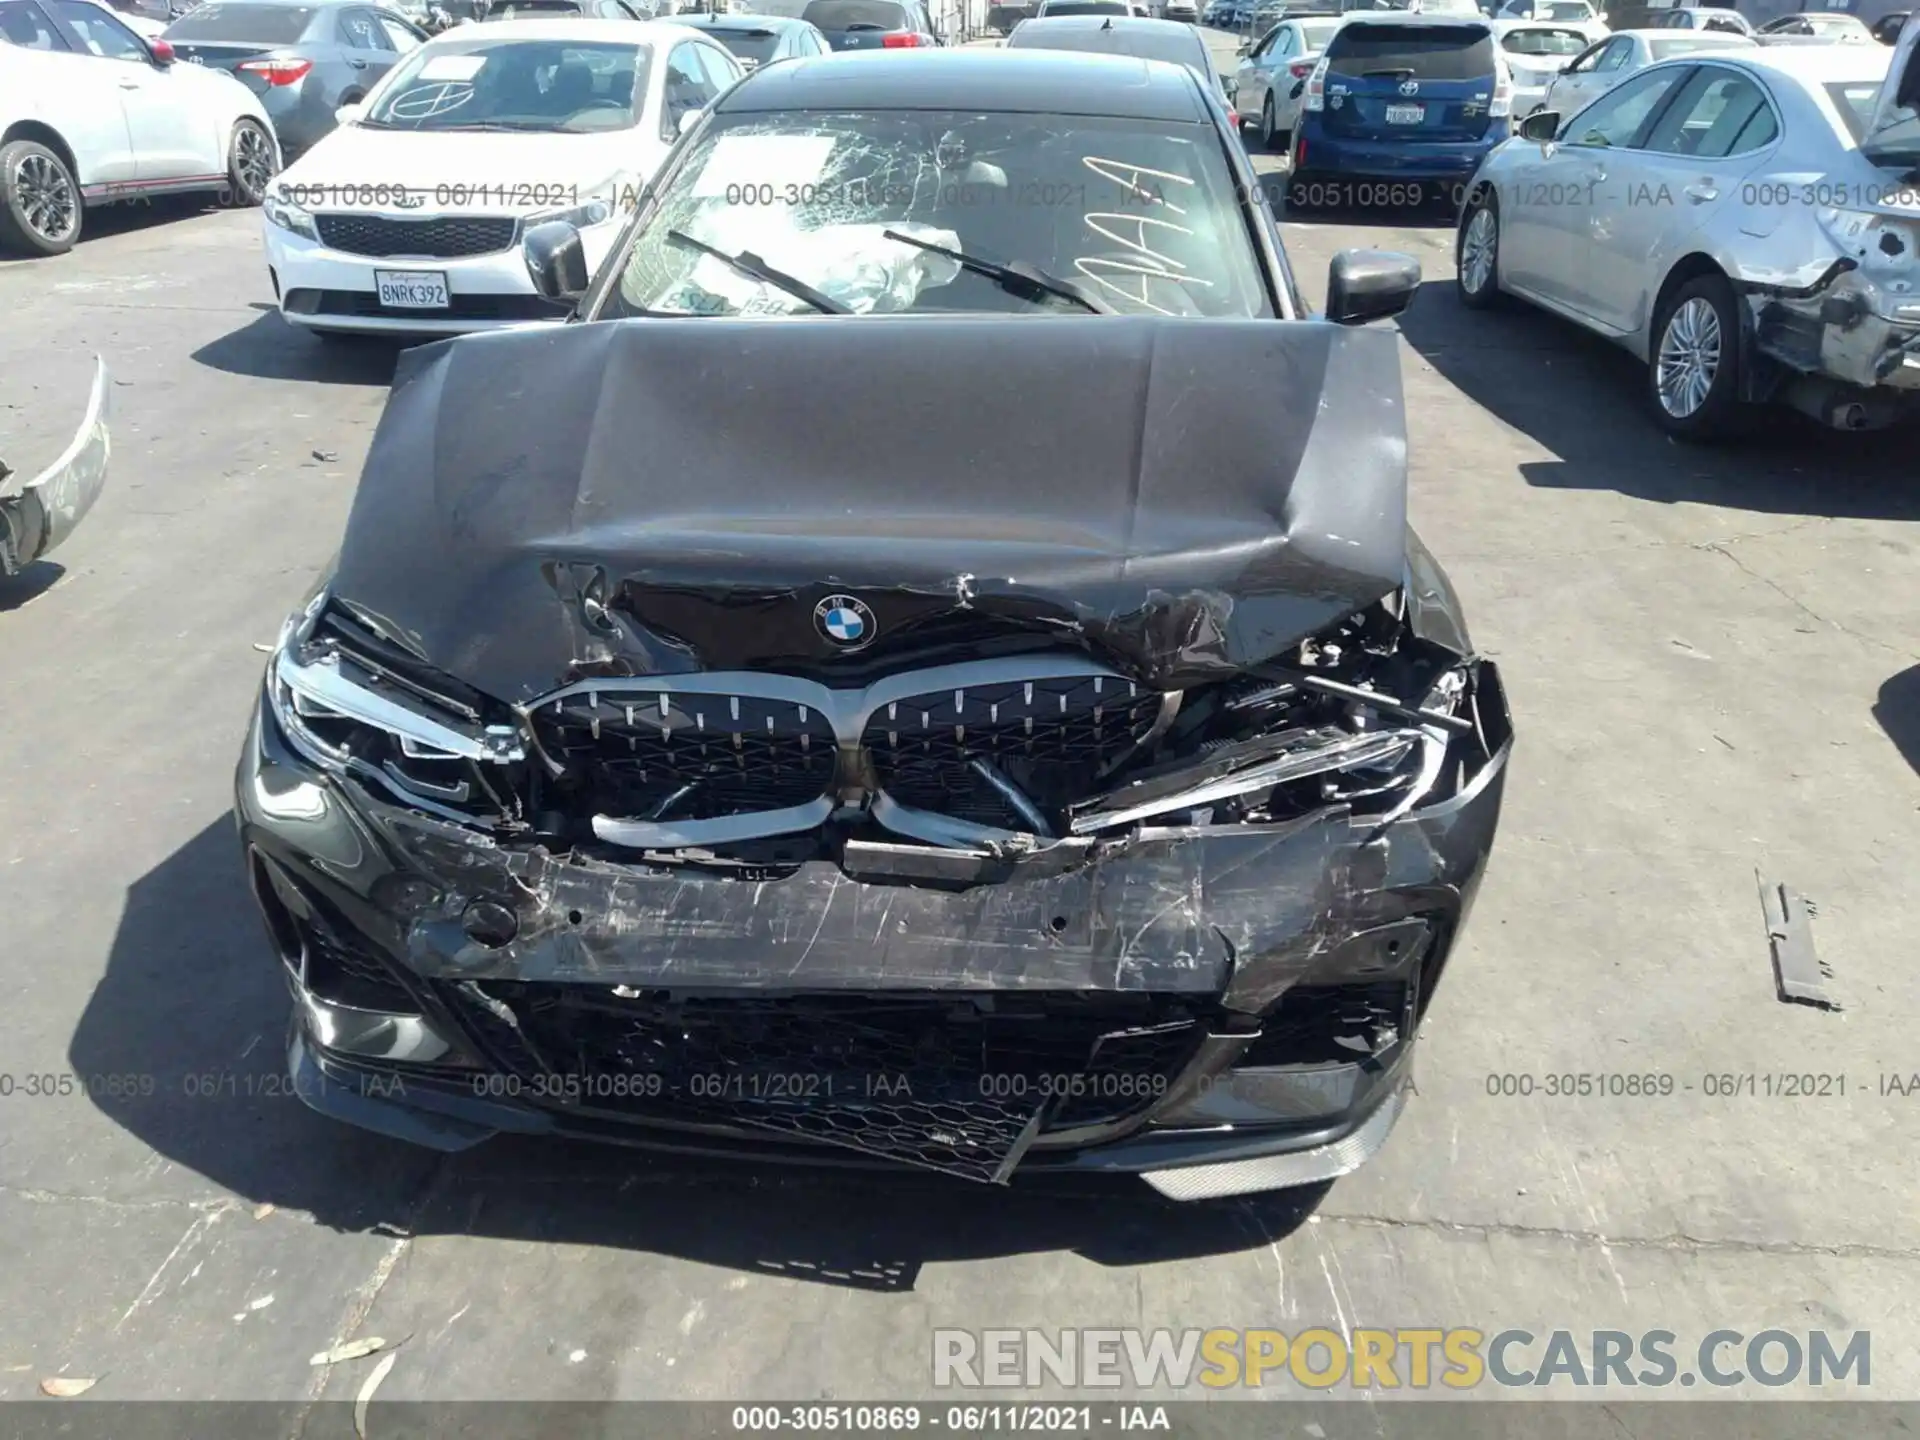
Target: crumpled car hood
x: 1178, y: 497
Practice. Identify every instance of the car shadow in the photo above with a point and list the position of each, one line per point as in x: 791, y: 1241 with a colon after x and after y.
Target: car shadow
x: 1897, y: 708
x: 122, y: 217
x: 1583, y: 400
x: 29, y: 584
x: 268, y: 348
x: 192, y: 1000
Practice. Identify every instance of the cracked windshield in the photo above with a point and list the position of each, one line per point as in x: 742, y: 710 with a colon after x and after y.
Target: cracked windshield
x: 1095, y: 214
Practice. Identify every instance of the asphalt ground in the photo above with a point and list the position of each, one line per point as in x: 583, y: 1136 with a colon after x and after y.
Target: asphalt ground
x: 1714, y: 670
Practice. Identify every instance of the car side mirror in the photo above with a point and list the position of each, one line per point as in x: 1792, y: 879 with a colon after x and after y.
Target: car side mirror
x: 161, y: 50
x: 347, y: 114
x: 1243, y: 48
x: 1541, y: 125
x: 1232, y: 87
x: 1365, y: 285
x: 689, y: 120
x: 556, y: 260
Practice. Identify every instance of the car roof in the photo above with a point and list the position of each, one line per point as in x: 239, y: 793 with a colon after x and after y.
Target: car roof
x: 1404, y: 17
x: 1141, y: 23
x: 1066, y: 82
x: 1666, y: 32
x: 1820, y: 64
x: 585, y: 27
x: 740, y: 20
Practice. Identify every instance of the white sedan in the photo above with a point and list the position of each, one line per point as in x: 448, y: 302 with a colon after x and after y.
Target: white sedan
x: 96, y: 113
x: 1536, y: 51
x: 1273, y: 71
x: 1815, y: 29
x: 1598, y: 69
x: 1743, y: 220
x: 408, y: 218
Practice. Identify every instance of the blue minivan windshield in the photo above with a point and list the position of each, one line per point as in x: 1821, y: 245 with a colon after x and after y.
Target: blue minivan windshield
x: 1413, y: 52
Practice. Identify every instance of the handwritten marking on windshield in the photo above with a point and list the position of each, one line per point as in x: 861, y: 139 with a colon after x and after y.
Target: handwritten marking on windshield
x: 1129, y: 176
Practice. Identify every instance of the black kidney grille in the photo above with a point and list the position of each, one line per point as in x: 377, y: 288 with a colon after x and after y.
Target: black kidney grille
x: 639, y: 749
x: 444, y: 237
x: 1050, y: 737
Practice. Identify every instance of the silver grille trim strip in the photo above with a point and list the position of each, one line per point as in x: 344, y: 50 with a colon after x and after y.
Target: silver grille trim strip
x: 723, y: 830
x: 848, y: 711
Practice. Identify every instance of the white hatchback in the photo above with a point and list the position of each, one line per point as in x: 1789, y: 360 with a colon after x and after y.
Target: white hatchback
x: 91, y: 112
x: 408, y: 218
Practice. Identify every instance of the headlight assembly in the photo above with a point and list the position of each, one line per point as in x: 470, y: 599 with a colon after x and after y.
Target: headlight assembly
x: 350, y: 715
x: 289, y: 216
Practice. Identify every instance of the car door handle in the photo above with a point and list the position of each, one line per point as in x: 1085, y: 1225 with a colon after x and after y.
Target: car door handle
x: 129, y: 84
x: 1701, y: 193
x: 357, y: 64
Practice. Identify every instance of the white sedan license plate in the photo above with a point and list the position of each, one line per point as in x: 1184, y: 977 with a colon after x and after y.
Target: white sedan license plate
x: 1406, y: 114
x: 412, y: 289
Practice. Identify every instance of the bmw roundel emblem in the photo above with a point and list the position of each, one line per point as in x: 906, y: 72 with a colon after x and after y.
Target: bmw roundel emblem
x: 845, y: 621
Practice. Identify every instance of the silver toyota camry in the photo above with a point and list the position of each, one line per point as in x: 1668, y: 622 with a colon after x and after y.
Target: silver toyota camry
x: 1745, y: 221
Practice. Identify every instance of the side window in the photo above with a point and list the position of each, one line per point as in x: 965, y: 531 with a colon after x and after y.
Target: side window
x: 687, y: 89
x: 1719, y: 113
x: 400, y: 36
x: 23, y: 23
x: 98, y: 31
x: 1617, y: 118
x: 719, y: 68
x: 358, y: 30
x: 1615, y: 56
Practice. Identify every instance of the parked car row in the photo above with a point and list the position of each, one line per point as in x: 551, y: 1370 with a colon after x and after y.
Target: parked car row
x: 233, y: 91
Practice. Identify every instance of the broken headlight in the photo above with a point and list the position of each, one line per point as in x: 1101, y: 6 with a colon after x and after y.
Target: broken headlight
x: 1361, y: 714
x: 351, y: 703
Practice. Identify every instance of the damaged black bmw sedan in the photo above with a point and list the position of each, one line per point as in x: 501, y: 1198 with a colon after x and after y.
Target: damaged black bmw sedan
x: 929, y: 669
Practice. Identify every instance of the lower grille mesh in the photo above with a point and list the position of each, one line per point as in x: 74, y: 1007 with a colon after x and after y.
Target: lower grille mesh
x: 935, y: 1082
x: 447, y: 237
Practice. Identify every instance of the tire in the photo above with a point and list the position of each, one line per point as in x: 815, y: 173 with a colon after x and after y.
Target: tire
x: 251, y: 164
x: 40, y: 206
x: 1271, y: 136
x: 1693, y: 363
x: 1478, y: 278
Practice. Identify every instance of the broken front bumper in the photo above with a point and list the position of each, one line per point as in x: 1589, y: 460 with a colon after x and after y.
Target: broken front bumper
x: 37, y: 514
x: 1222, y: 1008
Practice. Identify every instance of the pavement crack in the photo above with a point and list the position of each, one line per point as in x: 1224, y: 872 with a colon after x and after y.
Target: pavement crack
x: 1680, y: 1242
x: 404, y: 1234
x: 1720, y: 548
x: 35, y: 1196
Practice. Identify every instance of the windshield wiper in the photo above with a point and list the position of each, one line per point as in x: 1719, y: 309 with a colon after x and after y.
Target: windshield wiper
x: 521, y: 126
x: 754, y: 268
x: 1026, y: 281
